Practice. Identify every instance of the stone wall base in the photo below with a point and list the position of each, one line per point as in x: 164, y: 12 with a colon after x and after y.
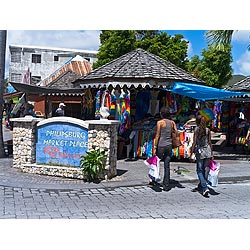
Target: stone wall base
x: 60, y: 171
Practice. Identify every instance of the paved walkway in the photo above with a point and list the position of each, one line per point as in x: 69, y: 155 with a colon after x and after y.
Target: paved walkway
x: 129, y: 173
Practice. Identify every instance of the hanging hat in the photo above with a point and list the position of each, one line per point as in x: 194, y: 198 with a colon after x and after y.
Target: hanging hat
x: 207, y: 114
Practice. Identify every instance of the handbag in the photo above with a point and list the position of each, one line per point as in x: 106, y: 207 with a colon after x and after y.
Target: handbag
x: 176, y: 142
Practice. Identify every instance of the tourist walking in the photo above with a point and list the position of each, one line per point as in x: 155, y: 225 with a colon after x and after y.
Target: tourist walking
x: 163, y: 144
x: 202, y: 147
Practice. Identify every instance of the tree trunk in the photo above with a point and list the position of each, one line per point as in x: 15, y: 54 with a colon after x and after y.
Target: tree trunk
x: 3, y: 34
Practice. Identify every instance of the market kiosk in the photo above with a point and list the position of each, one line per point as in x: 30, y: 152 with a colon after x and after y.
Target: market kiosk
x: 133, y: 88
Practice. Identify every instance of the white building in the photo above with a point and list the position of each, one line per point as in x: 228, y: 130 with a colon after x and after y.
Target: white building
x: 41, y: 61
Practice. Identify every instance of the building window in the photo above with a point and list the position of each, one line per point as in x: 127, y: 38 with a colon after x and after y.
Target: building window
x: 36, y: 58
x: 56, y: 58
x: 15, y: 56
x: 16, y: 77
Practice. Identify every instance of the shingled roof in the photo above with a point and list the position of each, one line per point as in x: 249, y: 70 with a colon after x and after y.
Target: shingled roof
x: 64, y: 80
x: 138, y: 66
x: 62, y: 84
x: 243, y: 85
x: 81, y: 68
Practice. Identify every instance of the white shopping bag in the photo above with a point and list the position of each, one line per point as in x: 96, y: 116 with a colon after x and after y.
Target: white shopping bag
x: 213, y: 175
x: 154, y: 168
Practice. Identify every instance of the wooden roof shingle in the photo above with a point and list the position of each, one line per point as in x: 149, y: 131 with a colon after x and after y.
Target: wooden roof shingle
x: 64, y: 80
x: 243, y: 85
x: 137, y: 66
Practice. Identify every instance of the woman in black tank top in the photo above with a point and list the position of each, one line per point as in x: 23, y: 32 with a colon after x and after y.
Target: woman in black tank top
x: 163, y: 144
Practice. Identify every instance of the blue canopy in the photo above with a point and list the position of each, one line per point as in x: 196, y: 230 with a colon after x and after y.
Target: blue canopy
x: 204, y: 93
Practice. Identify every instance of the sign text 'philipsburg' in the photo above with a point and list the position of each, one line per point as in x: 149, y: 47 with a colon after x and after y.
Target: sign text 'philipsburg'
x: 61, y: 143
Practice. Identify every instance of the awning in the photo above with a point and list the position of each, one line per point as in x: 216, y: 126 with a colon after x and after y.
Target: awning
x: 205, y: 93
x: 34, y: 89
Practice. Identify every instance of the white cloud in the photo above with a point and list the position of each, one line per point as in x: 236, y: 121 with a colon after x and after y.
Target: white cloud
x: 241, y: 36
x: 244, y: 63
x: 72, y: 39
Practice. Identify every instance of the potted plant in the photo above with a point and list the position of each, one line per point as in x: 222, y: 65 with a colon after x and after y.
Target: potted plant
x: 92, y: 164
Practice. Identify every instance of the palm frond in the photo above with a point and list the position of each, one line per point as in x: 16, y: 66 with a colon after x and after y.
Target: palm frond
x: 222, y: 37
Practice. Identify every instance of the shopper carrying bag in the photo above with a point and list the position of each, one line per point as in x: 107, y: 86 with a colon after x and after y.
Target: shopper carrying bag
x: 202, y: 147
x: 163, y: 144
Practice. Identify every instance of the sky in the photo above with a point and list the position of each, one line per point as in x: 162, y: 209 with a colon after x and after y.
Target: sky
x: 89, y: 39
x: 240, y: 52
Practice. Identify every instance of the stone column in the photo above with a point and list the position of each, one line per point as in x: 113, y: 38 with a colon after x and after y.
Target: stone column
x: 103, y: 135
x: 24, y: 140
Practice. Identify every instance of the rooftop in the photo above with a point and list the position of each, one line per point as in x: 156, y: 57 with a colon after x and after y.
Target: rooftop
x: 138, y: 65
x: 243, y: 85
x: 52, y: 48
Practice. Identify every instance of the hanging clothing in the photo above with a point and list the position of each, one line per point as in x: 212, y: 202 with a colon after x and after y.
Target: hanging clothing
x: 143, y: 143
x: 154, y: 104
x: 98, y: 104
x: 143, y: 98
x: 125, y: 110
x: 106, y: 99
x: 171, y: 102
x: 115, y: 107
x: 120, y: 108
x: 87, y: 105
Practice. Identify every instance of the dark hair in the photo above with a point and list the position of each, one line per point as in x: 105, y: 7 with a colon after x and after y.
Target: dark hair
x: 164, y: 112
x: 201, y: 123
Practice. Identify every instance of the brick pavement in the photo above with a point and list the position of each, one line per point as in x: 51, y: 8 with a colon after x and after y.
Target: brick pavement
x: 30, y: 196
x: 139, y: 202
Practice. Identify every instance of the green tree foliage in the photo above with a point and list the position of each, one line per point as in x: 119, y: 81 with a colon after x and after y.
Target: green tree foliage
x: 214, y: 67
x: 115, y: 43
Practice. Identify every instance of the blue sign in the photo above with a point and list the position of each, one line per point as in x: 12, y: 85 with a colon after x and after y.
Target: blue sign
x: 61, y: 143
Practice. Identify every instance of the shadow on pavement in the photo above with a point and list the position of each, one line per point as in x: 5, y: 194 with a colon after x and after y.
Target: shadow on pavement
x: 121, y: 172
x: 173, y: 184
x: 156, y: 188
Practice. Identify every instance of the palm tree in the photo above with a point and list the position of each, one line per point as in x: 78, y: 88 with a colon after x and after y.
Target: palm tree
x: 219, y: 38
x: 3, y: 34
